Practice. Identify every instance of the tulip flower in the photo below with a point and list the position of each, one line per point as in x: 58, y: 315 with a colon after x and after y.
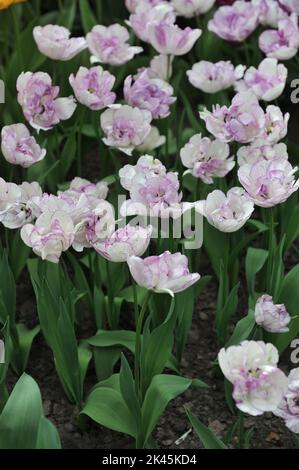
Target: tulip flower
x: 190, y: 8
x: 125, y: 127
x: 212, y: 78
x: 109, y: 45
x: 243, y: 121
x: 144, y: 15
x: 227, y: 213
x: 124, y: 242
x: 267, y: 81
x: 40, y: 104
x: 152, y: 94
x: 206, y: 159
x: 269, y: 183
x: 16, y: 203
x: 92, y: 87
x: 282, y: 43
x: 54, y: 42
x: 166, y: 273
x: 273, y: 318
x: 289, y: 407
x: 52, y: 234
x: 251, y: 367
x: 19, y: 147
x: 236, y: 22
x: 170, y: 39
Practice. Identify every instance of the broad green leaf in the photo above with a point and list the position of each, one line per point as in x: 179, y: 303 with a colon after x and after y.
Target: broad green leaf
x: 105, y: 338
x: 87, y: 17
x: 242, y: 329
x: 25, y: 340
x: 128, y: 391
x: 156, y: 349
x: 107, y: 407
x: 8, y: 289
x: 161, y: 391
x: 255, y: 260
x: 18, y: 255
x: 20, y: 418
x: 48, y: 437
x: 105, y: 360
x: 207, y: 437
x: 226, y: 313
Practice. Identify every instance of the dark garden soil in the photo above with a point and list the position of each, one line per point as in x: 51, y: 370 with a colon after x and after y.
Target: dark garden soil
x: 208, y: 404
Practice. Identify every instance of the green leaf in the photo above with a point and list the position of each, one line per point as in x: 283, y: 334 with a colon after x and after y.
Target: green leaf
x: 105, y: 338
x: 184, y: 306
x: 207, y: 437
x: 107, y: 407
x: 8, y: 289
x: 255, y: 260
x: 68, y: 154
x: 80, y: 280
x: 87, y: 17
x: 242, y: 329
x: 161, y: 391
x: 18, y: 255
x: 84, y: 357
x: 105, y: 360
x: 225, y: 314
x: 20, y: 418
x: 127, y: 388
x: 68, y: 15
x: 25, y: 340
x: 48, y: 437
x: 156, y: 349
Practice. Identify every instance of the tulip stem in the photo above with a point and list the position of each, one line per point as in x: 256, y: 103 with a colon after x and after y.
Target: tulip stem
x: 240, y: 430
x: 138, y: 344
x: 17, y: 35
x: 136, y: 311
x: 271, y: 247
x: 110, y: 297
x: 168, y: 68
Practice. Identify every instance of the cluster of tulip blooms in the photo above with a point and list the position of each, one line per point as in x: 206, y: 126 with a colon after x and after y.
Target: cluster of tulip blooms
x: 80, y: 216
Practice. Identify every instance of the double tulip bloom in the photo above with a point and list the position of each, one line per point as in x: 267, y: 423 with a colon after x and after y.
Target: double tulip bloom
x: 207, y: 159
x: 167, y: 273
x: 92, y: 87
x: 52, y: 233
x: 145, y: 14
x: 125, y: 128
x: 151, y: 94
x: 153, y: 191
x: 281, y: 43
x: 170, y: 39
x: 269, y: 183
x: 39, y: 100
x: 213, y: 77
x: 243, y: 121
x: 267, y: 81
x: 236, y: 22
x: 16, y: 203
x: 272, y: 317
x: 54, y: 42
x: 190, y: 8
x: 19, y: 147
x: 124, y: 242
x: 258, y: 384
x: 289, y: 406
x: 109, y: 45
x: 227, y: 213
